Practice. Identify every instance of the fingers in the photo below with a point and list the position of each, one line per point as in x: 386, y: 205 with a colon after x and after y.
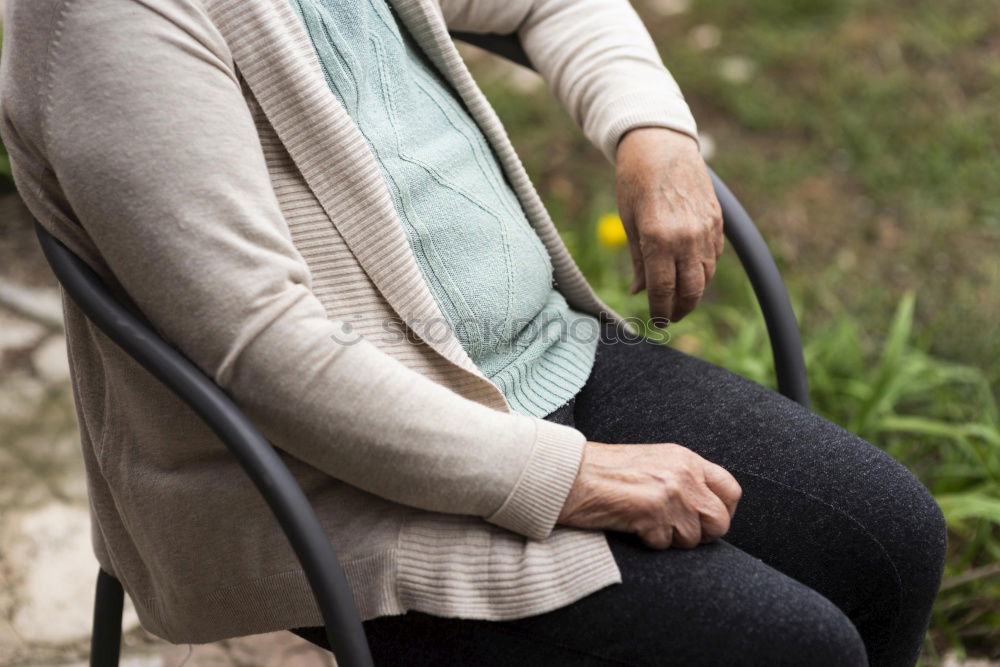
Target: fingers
x: 691, y: 280
x: 724, y: 485
x: 659, y: 537
x: 719, y: 242
x: 687, y: 531
x: 694, y: 515
x: 718, y: 226
x: 661, y: 282
x: 715, y: 519
x: 709, y: 268
x: 675, y: 265
x: 638, y: 267
x: 639, y: 278
x: 666, y: 493
x: 672, y: 218
x: 705, y: 520
x: 675, y: 289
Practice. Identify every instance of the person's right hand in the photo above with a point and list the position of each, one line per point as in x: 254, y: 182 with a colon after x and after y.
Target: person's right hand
x: 665, y: 493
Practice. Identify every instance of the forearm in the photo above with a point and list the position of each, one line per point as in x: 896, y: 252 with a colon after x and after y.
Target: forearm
x: 596, y: 56
x: 363, y: 417
x: 163, y: 168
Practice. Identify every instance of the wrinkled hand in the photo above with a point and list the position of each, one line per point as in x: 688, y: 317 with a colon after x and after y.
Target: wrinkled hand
x: 665, y: 493
x: 671, y: 217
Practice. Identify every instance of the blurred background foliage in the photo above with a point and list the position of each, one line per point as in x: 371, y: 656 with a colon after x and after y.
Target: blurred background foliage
x: 863, y: 138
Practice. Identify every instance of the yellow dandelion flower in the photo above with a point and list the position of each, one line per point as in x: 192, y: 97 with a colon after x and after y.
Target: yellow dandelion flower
x: 611, y: 231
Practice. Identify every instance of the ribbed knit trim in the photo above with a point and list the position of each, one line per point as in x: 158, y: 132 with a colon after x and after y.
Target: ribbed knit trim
x: 273, y: 602
x: 445, y: 564
x: 449, y: 567
x: 648, y: 108
x: 539, y: 495
x: 538, y: 384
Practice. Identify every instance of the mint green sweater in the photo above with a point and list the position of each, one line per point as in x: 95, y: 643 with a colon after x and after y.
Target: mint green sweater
x: 486, y: 267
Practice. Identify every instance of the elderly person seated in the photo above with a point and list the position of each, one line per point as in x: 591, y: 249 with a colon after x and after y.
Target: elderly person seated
x: 315, y: 203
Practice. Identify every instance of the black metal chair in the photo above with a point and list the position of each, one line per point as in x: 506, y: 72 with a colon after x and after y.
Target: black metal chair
x: 344, y: 630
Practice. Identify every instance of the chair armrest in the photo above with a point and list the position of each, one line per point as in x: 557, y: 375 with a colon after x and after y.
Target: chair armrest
x: 769, y: 288
x: 257, y: 456
x: 757, y: 261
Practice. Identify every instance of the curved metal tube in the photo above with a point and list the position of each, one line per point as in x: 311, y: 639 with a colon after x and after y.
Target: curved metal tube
x: 257, y: 456
x: 782, y: 327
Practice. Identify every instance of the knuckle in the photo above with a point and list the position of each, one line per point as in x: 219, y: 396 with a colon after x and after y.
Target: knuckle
x: 687, y: 540
x: 691, y: 463
x: 718, y: 524
x: 656, y: 540
x: 714, y: 209
x: 691, y: 293
x: 635, y: 523
x: 656, y: 535
x: 687, y: 234
x: 654, y: 241
x: 679, y: 479
x: 661, y: 289
x: 648, y: 508
x: 669, y: 491
x: 733, y: 489
x: 714, y: 533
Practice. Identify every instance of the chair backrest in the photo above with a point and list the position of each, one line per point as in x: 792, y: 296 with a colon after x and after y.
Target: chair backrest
x: 276, y: 484
x: 257, y: 456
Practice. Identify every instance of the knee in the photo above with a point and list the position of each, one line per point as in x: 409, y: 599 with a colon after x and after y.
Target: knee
x: 914, y: 529
x: 814, y: 631
x: 931, y: 528
x: 836, y: 641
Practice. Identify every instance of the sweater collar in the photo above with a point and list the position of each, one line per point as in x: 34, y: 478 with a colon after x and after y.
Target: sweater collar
x: 287, y: 81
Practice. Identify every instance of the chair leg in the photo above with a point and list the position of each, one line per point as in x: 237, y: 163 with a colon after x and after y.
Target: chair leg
x: 106, y: 640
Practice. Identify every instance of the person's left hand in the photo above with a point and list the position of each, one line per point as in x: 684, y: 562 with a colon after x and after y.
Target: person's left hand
x: 671, y: 216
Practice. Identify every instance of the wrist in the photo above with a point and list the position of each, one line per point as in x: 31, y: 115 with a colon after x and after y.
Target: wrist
x: 640, y: 140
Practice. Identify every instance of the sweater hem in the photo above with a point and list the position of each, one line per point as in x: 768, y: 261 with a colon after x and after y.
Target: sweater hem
x: 454, y: 566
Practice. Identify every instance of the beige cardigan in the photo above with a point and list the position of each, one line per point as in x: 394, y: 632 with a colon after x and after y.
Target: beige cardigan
x: 192, y: 153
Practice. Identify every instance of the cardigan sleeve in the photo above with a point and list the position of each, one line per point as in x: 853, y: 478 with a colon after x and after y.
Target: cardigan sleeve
x: 151, y: 142
x: 595, y: 55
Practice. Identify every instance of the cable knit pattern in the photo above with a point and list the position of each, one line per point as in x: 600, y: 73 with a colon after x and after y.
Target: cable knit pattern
x: 485, y: 265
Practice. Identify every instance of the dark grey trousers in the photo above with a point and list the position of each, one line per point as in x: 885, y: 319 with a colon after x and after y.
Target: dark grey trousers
x: 834, y: 555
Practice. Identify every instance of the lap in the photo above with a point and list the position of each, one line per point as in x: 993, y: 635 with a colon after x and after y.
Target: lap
x: 712, y: 605
x: 827, y: 542
x: 819, y: 504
